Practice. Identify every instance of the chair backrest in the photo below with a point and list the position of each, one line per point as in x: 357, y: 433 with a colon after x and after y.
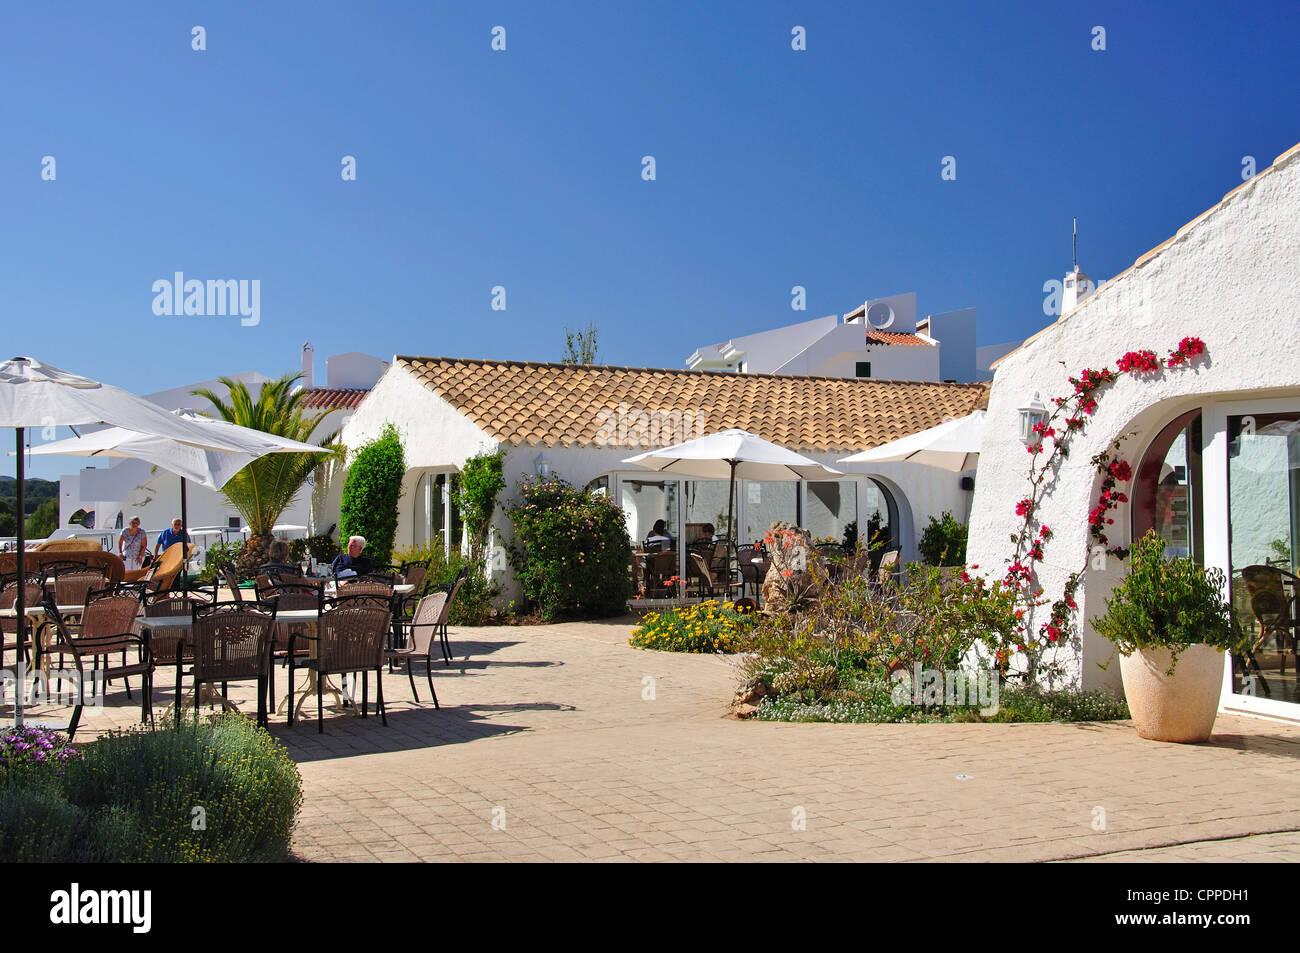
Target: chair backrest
x: 228, y: 575
x: 298, y: 594
x: 159, y: 604
x: 697, y: 567
x: 53, y: 566
x: 1267, y: 597
x: 377, y: 599
x: 107, y: 614
x: 141, y: 589
x: 388, y: 579
x: 168, y: 566
x: 455, y: 591
x: 351, y: 638
x: 428, y: 616
x: 347, y: 587
x: 33, y: 593
x: 888, y: 563
x: 230, y: 641
x: 415, y: 576
x: 71, y: 586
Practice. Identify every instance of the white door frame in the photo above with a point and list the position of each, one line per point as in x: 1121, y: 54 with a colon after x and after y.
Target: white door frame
x: 1214, y: 481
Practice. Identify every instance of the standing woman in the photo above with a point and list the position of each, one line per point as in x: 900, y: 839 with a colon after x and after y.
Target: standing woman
x: 132, y: 544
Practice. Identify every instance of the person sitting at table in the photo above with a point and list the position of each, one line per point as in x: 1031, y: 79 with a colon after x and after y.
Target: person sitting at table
x: 172, y: 534
x: 708, y: 533
x: 279, y: 564
x: 659, y: 539
x: 352, y: 559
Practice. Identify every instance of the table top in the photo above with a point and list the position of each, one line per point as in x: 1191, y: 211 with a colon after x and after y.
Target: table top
x: 184, y: 621
x: 39, y: 610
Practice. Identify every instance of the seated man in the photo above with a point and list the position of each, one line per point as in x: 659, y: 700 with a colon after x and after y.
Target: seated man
x: 352, y: 559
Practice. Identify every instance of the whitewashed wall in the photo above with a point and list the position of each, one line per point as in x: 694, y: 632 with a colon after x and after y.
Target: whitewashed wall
x: 1228, y: 278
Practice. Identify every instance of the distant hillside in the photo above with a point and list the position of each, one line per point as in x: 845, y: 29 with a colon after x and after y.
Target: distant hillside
x: 35, y: 492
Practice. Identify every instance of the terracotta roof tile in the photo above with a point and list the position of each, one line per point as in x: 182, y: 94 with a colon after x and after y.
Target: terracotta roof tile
x: 897, y: 337
x: 528, y: 403
x: 334, y: 398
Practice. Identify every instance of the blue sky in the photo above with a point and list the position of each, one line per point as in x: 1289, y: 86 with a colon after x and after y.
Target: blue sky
x: 522, y: 168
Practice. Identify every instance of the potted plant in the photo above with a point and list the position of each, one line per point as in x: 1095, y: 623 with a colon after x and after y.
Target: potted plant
x: 1170, y: 623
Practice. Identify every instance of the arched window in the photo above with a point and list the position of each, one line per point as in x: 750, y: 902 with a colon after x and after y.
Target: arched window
x: 1166, y: 492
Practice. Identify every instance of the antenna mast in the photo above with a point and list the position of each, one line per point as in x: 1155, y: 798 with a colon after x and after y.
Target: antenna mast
x: 1076, y: 244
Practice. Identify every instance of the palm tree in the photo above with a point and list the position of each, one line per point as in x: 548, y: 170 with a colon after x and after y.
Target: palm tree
x: 265, y: 488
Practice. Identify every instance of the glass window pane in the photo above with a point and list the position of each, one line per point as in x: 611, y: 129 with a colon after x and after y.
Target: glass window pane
x: 647, y: 501
x: 831, y: 507
x: 765, y: 504
x: 1264, y: 515
x: 706, y: 505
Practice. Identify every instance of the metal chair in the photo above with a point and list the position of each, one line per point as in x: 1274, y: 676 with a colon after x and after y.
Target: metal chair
x: 80, y: 647
x: 420, y: 633
x: 33, y: 595
x: 349, y: 639
x: 230, y: 642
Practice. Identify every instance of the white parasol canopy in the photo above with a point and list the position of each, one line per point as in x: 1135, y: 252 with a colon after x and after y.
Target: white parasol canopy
x: 730, y: 454
x: 211, y: 465
x: 953, y: 445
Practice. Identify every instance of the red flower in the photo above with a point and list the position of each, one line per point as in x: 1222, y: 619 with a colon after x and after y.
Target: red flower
x: 1045, y: 532
x: 1024, y: 506
x: 1135, y: 362
x: 1120, y: 470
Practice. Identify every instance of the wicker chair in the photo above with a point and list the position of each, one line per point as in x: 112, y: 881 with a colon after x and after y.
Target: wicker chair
x: 104, y: 614
x: 72, y: 585
x: 81, y: 647
x: 169, y: 645
x: 292, y: 595
x: 231, y: 642
x: 227, y: 574
x: 33, y: 595
x: 349, y: 638
x: 426, y: 625
x: 698, y: 569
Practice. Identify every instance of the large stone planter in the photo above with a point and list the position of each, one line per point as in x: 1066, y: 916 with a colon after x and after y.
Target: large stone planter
x: 1178, y: 708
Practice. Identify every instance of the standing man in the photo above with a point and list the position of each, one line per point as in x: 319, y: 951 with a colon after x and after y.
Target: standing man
x: 170, y: 535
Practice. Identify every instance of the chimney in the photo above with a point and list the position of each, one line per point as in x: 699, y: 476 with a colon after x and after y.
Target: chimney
x: 308, y: 366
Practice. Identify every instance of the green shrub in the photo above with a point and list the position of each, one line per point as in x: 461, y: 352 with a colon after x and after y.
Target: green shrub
x: 219, y: 553
x: 929, y: 616
x: 943, y: 543
x: 370, y: 495
x: 572, y: 550
x: 323, y: 549
x: 481, y: 480
x: 707, y: 627
x: 140, y: 789
x: 1167, y: 603
x: 38, y: 825
x: 473, y: 606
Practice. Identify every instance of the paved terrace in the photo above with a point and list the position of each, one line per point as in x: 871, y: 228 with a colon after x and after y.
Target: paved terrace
x: 546, y: 731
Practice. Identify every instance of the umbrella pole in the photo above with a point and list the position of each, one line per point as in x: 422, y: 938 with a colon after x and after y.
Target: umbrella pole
x: 731, y: 527
x: 20, y: 618
x: 185, y: 549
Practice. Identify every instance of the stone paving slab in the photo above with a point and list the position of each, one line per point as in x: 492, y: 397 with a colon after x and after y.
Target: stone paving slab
x: 563, y: 743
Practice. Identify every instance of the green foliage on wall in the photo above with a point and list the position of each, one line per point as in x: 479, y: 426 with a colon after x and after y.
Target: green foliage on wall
x: 371, y: 493
x: 481, y: 480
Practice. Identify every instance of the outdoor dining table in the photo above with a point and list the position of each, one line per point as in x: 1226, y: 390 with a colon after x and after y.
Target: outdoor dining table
x: 42, y: 628
x: 288, y: 615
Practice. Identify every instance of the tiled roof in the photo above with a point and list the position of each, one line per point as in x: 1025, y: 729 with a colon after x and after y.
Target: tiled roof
x: 897, y: 337
x: 527, y: 403
x: 334, y: 398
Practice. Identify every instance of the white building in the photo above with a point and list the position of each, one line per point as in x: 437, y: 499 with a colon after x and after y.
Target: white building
x: 1214, y: 447
x: 880, y: 339
x: 116, y: 490
x: 581, y: 422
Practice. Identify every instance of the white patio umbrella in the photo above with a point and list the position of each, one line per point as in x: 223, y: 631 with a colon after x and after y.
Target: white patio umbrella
x: 731, y: 454
x: 212, y: 466
x: 35, y: 394
x: 953, y: 445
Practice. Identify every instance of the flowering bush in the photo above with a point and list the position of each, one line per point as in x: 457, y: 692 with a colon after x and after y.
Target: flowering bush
x: 572, y: 550
x: 1068, y: 419
x: 31, y: 747
x: 708, y: 627
x: 930, y: 615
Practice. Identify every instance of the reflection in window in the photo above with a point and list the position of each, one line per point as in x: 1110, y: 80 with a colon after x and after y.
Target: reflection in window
x: 832, y: 507
x: 1166, y: 491
x: 1264, y: 519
